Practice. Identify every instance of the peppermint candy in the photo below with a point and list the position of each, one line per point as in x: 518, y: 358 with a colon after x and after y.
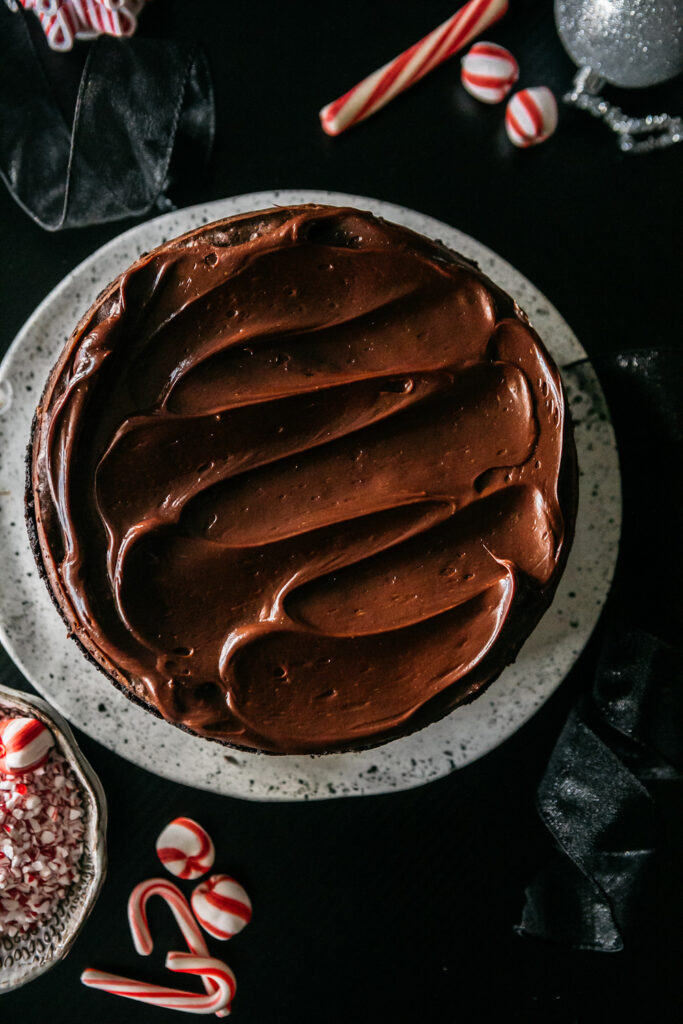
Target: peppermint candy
x: 488, y: 72
x: 531, y: 116
x: 41, y: 843
x: 185, y: 849
x: 221, y: 906
x: 24, y: 744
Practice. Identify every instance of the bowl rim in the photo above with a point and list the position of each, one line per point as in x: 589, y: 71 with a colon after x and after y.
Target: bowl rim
x: 93, y: 792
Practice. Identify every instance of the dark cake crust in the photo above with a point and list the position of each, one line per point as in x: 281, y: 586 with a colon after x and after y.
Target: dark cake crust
x: 243, y: 721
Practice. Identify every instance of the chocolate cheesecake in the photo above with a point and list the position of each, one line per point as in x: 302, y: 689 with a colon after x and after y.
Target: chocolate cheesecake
x: 302, y: 480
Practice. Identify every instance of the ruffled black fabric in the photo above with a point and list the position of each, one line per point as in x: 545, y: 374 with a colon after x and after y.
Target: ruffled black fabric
x: 598, y: 795
x: 138, y: 101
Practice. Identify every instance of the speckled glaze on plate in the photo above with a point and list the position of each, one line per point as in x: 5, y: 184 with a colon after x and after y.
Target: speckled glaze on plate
x: 34, y: 634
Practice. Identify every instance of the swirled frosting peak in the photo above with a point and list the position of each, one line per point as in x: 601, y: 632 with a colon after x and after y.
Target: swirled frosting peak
x: 302, y: 481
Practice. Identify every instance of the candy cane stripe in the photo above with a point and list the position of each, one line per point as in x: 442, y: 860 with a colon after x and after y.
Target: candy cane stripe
x: 94, y: 15
x: 180, y: 908
x: 380, y: 87
x: 208, y: 968
x: 451, y: 41
x: 470, y: 20
x: 433, y: 55
x: 65, y: 20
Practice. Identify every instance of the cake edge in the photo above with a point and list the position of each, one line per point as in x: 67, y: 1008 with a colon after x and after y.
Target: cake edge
x: 428, y: 714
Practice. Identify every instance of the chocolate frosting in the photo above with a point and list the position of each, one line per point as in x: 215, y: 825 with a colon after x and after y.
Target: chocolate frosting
x: 297, y: 480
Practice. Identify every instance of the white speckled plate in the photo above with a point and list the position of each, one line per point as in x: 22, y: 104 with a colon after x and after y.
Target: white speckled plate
x: 34, y: 634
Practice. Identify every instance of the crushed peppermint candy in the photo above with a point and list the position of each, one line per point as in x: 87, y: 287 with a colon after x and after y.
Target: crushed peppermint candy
x: 41, y: 842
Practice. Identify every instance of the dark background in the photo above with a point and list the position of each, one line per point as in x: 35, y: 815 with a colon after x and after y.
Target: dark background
x: 401, y: 907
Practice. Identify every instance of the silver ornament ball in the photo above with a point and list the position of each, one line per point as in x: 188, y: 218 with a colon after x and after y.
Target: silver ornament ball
x: 630, y: 43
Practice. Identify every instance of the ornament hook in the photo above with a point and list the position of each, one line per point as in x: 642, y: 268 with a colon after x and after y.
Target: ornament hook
x: 659, y: 130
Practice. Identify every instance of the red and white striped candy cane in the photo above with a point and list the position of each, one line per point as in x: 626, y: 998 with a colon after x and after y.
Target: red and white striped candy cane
x: 375, y: 91
x: 63, y: 21
x: 58, y: 21
x: 43, y: 6
x: 180, y: 908
x: 170, y: 998
x: 119, y: 21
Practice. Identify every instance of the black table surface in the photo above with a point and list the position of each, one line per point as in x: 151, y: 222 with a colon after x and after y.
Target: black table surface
x: 397, y: 907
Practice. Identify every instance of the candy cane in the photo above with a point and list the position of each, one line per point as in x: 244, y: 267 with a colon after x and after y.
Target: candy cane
x: 172, y: 999
x: 377, y: 89
x: 63, y: 21
x: 60, y: 28
x: 180, y: 908
x: 120, y: 21
x: 43, y: 6
x: 212, y: 972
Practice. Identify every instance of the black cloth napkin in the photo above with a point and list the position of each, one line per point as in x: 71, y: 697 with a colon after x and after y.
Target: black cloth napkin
x: 139, y: 100
x: 598, y: 797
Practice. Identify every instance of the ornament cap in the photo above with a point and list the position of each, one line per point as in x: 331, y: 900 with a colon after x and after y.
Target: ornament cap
x: 588, y: 80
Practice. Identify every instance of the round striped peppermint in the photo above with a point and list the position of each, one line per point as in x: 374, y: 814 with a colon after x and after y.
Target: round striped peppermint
x: 531, y: 116
x: 221, y: 906
x: 185, y: 849
x: 24, y: 744
x: 488, y: 72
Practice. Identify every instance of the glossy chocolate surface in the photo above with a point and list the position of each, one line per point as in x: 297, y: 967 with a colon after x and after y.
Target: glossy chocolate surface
x: 298, y: 480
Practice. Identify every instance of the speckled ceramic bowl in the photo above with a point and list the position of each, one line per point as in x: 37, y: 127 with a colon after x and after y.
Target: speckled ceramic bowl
x: 34, y: 952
